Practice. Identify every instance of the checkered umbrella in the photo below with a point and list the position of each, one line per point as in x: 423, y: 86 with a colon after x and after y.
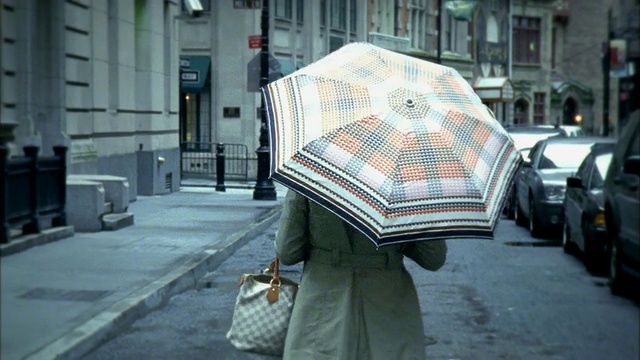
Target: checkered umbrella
x: 400, y: 148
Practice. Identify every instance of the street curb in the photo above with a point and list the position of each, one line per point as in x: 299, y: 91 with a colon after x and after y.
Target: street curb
x: 26, y: 242
x: 104, y: 326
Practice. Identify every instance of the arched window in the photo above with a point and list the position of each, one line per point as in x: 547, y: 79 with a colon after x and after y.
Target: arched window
x: 493, y: 34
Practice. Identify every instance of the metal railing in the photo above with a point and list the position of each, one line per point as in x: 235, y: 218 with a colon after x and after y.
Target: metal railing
x: 32, y: 187
x: 199, y: 159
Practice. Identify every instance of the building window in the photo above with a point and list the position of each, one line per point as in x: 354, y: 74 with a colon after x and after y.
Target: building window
x: 300, y: 11
x: 206, y: 6
x: 554, y: 43
x: 526, y: 40
x: 456, y: 34
x: 417, y: 24
x: 469, y: 38
x: 449, y: 31
x: 284, y: 9
x: 338, y: 15
x: 538, y: 108
x: 353, y: 15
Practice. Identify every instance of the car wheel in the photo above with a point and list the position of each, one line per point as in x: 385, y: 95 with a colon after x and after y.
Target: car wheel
x: 567, y: 244
x: 534, y: 228
x: 519, y: 217
x: 617, y: 279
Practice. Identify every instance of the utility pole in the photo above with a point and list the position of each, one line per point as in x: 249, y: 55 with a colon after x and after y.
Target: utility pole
x: 606, y: 68
x: 264, y: 189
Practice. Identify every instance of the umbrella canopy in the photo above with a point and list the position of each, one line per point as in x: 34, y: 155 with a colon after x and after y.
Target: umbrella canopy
x: 400, y: 148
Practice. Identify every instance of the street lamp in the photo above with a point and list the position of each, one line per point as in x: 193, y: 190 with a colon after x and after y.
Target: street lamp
x: 264, y: 189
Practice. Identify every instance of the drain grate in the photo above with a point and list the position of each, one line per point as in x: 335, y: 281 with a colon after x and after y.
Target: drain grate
x: 168, y: 181
x: 64, y: 295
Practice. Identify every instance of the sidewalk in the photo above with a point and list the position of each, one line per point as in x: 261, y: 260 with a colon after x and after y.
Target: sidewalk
x: 61, y: 299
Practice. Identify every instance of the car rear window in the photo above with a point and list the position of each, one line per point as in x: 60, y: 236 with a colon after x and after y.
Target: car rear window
x: 564, y: 156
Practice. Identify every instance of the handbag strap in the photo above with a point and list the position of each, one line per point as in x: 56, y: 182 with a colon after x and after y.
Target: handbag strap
x: 274, y: 291
x: 275, y: 269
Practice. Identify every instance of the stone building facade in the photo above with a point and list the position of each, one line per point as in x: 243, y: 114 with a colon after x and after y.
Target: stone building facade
x: 532, y: 26
x: 580, y: 29
x: 557, y: 52
x: 125, y: 83
x: 302, y: 32
x: 99, y: 76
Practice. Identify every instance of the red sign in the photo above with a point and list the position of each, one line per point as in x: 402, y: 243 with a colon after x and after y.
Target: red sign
x: 255, y: 41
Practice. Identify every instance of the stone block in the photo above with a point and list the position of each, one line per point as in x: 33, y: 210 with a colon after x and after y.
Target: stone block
x: 116, y: 189
x: 85, y: 204
x: 113, y: 222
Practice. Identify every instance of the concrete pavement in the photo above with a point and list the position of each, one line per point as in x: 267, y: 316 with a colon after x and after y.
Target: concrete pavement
x: 62, y: 299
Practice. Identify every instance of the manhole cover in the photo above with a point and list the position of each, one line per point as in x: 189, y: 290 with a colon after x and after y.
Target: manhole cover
x: 64, y: 294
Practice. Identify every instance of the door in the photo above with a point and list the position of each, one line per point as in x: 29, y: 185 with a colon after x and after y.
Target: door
x: 526, y: 176
x: 628, y: 199
x: 576, y: 199
x: 520, y: 110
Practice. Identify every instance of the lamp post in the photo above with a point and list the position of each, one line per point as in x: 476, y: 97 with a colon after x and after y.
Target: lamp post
x: 264, y: 189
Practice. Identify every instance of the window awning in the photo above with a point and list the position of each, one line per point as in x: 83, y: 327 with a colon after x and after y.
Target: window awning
x: 494, y: 89
x: 194, y: 72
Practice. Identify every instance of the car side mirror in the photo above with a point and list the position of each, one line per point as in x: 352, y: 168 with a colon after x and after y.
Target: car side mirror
x: 632, y: 165
x: 574, y: 182
x: 526, y: 163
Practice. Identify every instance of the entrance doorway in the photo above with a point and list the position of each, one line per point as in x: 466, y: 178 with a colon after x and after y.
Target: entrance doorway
x: 520, y: 112
x: 195, y: 103
x: 569, y: 111
x: 195, y: 121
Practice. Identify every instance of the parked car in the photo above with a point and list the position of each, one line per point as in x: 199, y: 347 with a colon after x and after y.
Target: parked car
x: 524, y: 137
x: 542, y: 181
x: 568, y: 130
x: 622, y: 207
x: 584, y: 223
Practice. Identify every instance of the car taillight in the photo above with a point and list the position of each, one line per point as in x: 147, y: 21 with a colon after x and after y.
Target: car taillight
x: 599, y: 219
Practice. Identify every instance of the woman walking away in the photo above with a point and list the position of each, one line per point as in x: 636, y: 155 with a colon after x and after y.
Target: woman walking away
x: 354, y: 301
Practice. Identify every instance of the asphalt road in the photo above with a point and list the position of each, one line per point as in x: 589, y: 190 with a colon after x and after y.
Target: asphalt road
x: 511, y: 298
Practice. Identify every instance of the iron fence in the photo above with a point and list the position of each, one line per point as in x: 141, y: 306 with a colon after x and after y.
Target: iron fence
x: 199, y: 160
x: 33, y: 187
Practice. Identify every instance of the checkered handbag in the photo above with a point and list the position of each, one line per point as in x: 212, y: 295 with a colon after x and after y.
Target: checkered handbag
x: 262, y: 312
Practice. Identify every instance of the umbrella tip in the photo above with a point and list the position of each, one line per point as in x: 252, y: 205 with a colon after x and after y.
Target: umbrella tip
x: 409, y: 103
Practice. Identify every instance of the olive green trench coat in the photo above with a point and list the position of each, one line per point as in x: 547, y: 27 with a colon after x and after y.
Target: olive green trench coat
x: 354, y: 301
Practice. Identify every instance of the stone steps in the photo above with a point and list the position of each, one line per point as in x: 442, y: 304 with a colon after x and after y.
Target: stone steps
x: 116, y: 221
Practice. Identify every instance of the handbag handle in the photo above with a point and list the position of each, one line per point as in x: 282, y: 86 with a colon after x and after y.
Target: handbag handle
x: 275, y: 269
x: 274, y: 291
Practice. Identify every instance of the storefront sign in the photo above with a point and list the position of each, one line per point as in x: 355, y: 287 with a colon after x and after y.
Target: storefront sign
x: 255, y: 41
x: 189, y: 75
